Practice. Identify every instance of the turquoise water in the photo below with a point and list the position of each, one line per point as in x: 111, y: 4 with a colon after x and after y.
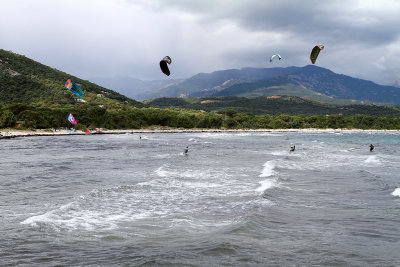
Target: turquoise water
x: 236, y: 199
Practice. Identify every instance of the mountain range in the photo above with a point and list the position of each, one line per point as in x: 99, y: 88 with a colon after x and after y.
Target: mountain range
x: 132, y: 87
x: 309, y: 82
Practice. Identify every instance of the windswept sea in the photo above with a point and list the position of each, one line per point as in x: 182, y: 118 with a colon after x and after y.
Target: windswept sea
x: 236, y: 199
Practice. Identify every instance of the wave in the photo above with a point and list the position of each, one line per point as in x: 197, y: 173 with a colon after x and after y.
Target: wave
x: 266, y: 184
x: 194, y: 140
x: 396, y: 192
x: 161, y: 172
x: 372, y: 159
x: 243, y: 134
x: 165, y: 171
x: 73, y: 216
x: 268, y: 169
x: 280, y: 153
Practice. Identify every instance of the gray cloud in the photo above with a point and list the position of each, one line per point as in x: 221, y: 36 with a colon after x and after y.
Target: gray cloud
x: 90, y: 38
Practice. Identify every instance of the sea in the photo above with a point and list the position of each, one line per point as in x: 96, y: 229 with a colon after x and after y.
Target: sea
x: 235, y: 199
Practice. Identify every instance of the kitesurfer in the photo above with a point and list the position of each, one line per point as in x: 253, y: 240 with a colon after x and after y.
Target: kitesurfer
x: 186, y: 150
x: 292, y: 148
x: 371, y: 147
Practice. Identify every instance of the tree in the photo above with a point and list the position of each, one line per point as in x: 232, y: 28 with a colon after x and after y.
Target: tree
x: 7, y: 119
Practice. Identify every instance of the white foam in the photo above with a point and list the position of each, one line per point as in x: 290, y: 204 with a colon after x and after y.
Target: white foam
x: 396, y: 192
x: 162, y: 156
x: 167, y: 171
x: 268, y: 169
x: 279, y: 153
x: 243, y: 134
x: 161, y: 172
x: 74, y: 216
x: 372, y: 159
x: 266, y: 184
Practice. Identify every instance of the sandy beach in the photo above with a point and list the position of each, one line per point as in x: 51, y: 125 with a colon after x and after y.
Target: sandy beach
x: 12, y: 133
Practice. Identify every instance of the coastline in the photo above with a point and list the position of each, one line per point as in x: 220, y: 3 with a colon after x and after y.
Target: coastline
x: 12, y: 133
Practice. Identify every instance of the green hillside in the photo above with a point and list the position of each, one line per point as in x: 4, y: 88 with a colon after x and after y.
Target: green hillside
x: 280, y: 86
x: 23, y: 80
x: 273, y: 105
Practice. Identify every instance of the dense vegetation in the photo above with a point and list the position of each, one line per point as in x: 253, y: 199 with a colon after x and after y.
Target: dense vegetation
x: 23, y: 80
x: 135, y: 118
x: 273, y: 105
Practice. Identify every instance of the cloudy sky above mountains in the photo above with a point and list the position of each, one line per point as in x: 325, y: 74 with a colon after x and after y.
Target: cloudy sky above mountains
x: 93, y: 38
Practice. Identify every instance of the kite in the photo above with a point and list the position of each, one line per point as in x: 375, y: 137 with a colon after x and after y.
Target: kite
x: 274, y: 56
x: 71, y: 131
x: 74, y: 88
x: 164, y: 66
x: 315, y: 52
x: 72, y: 119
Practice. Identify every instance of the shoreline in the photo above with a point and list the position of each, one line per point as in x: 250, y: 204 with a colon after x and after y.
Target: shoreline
x: 8, y: 134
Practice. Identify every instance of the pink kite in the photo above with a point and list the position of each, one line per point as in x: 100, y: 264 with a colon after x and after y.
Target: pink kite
x: 72, y: 119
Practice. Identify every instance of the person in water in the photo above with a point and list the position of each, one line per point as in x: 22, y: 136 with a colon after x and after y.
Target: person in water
x: 371, y: 147
x: 186, y: 150
x: 292, y: 148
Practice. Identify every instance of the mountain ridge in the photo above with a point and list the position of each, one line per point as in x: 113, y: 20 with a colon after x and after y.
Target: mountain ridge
x: 320, y: 80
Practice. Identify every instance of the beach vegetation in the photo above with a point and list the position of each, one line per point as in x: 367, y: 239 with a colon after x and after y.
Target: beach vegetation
x: 91, y: 117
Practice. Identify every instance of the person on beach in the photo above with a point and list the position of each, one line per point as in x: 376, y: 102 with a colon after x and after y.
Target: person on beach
x: 292, y: 148
x: 186, y: 150
x: 371, y: 147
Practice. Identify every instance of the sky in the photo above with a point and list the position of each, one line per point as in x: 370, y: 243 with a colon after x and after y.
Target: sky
x: 106, y: 38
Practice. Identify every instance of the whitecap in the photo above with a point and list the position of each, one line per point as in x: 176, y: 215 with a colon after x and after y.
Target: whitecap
x: 243, y: 134
x: 266, y: 184
x: 396, y: 192
x: 268, y: 169
x: 279, y: 153
x: 372, y: 159
x: 161, y: 172
x: 162, y: 156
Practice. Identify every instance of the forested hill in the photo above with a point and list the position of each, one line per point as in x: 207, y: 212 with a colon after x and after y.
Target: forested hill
x: 273, y: 105
x: 23, y: 80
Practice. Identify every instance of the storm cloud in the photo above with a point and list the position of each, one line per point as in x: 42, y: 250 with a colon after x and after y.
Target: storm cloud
x: 92, y: 38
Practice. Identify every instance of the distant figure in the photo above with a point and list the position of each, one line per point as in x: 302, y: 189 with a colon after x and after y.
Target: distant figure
x: 186, y: 150
x: 371, y: 147
x: 140, y: 137
x: 292, y: 148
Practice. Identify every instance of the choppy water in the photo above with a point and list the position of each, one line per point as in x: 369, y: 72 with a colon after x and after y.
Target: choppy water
x: 235, y: 200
